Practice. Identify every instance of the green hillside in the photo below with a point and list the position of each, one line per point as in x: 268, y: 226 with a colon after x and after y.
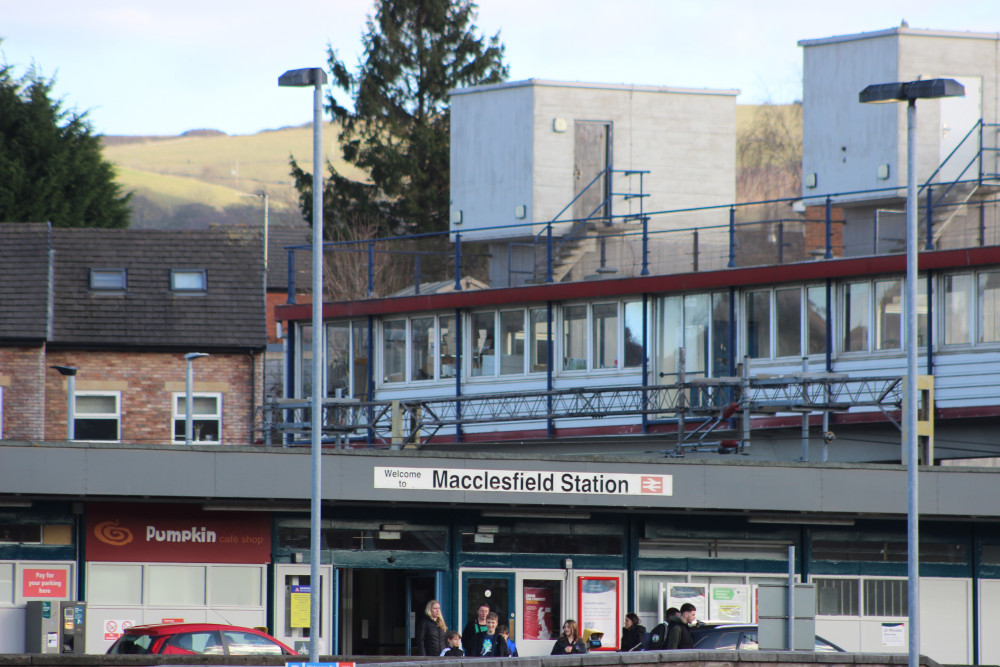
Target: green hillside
x: 212, y: 169
x: 196, y: 179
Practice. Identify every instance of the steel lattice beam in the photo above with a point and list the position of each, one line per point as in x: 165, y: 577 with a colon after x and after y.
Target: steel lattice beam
x: 421, y: 418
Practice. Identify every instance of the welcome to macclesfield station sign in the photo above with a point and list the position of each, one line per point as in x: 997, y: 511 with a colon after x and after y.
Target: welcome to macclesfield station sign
x: 519, y: 481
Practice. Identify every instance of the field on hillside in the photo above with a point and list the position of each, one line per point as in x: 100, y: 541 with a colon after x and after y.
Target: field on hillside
x: 214, y: 169
x: 197, y: 179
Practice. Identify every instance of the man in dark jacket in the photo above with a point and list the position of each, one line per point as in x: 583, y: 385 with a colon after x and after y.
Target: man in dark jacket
x: 678, y: 633
x: 470, y: 635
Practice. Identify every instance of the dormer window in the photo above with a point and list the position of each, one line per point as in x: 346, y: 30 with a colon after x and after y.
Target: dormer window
x: 188, y: 280
x: 108, y: 280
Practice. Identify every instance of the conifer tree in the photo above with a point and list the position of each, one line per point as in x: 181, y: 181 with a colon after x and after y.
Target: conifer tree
x: 397, y: 132
x: 51, y: 166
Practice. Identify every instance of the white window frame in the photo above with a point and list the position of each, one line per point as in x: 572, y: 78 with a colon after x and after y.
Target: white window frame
x: 179, y: 275
x: 469, y: 346
x: 77, y: 414
x: 525, y: 353
x: 97, y: 273
x: 178, y: 398
x: 774, y: 323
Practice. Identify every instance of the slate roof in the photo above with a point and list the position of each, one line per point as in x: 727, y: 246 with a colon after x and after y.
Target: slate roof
x: 229, y: 314
x: 24, y: 281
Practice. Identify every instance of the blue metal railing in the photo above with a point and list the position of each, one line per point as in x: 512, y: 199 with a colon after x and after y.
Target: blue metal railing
x: 673, y: 240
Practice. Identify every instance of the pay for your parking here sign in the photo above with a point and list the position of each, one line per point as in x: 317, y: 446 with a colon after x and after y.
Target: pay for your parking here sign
x: 520, y: 481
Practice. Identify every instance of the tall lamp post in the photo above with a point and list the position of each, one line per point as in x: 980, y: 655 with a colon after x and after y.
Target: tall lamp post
x: 189, y: 394
x: 910, y: 92
x: 69, y: 372
x: 316, y: 77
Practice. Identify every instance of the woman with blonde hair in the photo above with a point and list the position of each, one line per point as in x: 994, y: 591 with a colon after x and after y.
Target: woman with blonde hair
x: 430, y: 631
x: 569, y: 641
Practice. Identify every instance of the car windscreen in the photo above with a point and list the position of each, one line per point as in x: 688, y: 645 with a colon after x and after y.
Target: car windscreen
x: 132, y: 644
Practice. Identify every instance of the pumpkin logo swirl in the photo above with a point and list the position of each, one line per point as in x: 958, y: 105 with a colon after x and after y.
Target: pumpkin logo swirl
x: 111, y: 533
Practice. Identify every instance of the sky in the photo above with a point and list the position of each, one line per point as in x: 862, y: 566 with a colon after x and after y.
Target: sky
x: 162, y: 67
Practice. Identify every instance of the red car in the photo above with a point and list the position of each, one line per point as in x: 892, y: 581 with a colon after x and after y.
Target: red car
x: 197, y: 638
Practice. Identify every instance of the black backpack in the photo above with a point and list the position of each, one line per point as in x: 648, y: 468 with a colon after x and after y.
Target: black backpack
x: 657, y: 638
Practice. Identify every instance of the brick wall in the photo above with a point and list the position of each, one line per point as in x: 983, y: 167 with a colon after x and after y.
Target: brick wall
x: 21, y: 373
x: 147, y: 381
x: 815, y: 226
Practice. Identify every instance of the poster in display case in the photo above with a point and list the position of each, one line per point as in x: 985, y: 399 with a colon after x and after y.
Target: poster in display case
x: 599, y: 609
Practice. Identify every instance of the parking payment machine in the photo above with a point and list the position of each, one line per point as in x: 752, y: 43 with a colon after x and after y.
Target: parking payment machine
x: 55, y: 626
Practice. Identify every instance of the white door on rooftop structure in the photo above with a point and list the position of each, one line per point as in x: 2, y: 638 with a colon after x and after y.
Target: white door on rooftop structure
x: 958, y: 115
x: 591, y: 156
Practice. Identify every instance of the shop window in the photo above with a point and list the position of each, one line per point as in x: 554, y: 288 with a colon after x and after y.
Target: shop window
x: 12, y: 533
x: 544, y: 539
x: 448, y: 346
x: 347, y: 359
x: 990, y: 554
x: 293, y: 536
x: 206, y: 417
x: 6, y: 583
x: 338, y: 359
x: 483, y: 342
x: 788, y: 322
x: 574, y: 338
x: 988, y: 306
x: 888, y: 314
x: 887, y: 551
x: 176, y: 584
x: 114, y: 583
x: 873, y: 315
x: 235, y: 585
x: 634, y: 334
x: 671, y: 547
x: 394, y: 351
x: 885, y: 597
x: 957, y: 316
x: 758, y: 319
x: 816, y: 319
x: 98, y: 416
x: 542, y: 604
x: 305, y: 369
x: 539, y: 335
x: 422, y: 354
x: 785, y: 321
x: 511, y: 342
x: 856, y: 316
x: 604, y: 335
x: 836, y: 597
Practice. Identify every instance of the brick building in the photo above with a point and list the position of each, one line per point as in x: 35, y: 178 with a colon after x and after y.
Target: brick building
x: 123, y: 307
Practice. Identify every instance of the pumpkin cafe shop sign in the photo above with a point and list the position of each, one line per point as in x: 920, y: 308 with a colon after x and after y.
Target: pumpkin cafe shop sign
x: 521, y: 481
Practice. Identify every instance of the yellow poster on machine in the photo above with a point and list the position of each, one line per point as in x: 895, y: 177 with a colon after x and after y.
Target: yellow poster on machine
x: 298, y: 607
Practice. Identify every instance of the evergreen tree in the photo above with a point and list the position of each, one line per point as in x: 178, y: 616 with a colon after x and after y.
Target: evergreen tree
x: 51, y: 168
x: 397, y: 133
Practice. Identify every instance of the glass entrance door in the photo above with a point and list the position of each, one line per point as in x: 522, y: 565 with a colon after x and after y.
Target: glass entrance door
x: 495, y: 589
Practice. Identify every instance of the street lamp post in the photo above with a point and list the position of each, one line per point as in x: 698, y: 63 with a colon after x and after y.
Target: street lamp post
x: 189, y: 394
x: 316, y: 77
x: 910, y: 92
x: 69, y: 372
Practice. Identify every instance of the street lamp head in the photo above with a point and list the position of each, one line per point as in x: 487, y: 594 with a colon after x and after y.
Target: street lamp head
x: 65, y: 370
x: 922, y: 89
x: 308, y: 76
x: 195, y: 355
